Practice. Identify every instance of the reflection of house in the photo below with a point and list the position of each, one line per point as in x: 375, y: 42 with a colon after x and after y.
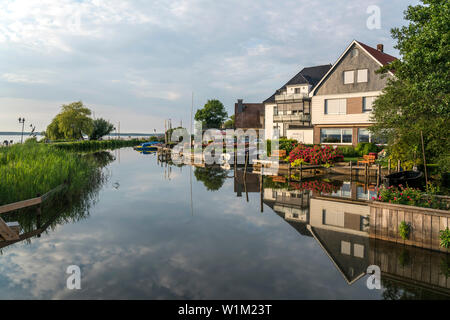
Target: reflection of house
x: 342, y: 100
x: 288, y: 110
x: 293, y: 204
x: 339, y: 223
x: 341, y: 228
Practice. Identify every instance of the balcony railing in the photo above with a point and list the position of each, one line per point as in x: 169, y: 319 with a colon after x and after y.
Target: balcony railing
x: 292, y: 96
x: 292, y: 117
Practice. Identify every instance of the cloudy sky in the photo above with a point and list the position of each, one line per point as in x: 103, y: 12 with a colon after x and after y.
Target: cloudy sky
x: 139, y: 61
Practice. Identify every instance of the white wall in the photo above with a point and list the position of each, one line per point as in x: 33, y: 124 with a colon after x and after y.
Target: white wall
x: 301, y: 135
x: 268, y: 121
x: 318, y: 115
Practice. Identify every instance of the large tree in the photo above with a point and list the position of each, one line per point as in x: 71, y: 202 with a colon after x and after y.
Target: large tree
x: 229, y: 124
x: 212, y: 115
x: 101, y: 128
x: 417, y: 99
x: 71, y: 123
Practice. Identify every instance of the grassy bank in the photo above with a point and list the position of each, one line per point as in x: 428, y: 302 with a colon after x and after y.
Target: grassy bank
x: 32, y: 168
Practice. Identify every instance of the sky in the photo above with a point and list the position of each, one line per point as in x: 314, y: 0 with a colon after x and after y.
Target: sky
x: 138, y: 62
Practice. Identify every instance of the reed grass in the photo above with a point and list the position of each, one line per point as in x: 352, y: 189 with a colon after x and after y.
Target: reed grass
x: 34, y: 168
x: 90, y: 145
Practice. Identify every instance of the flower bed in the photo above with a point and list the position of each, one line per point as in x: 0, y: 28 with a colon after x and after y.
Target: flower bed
x: 411, y: 197
x: 315, y: 155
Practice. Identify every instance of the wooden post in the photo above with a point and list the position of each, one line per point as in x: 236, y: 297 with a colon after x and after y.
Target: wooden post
x: 351, y: 169
x: 379, y: 175
x: 246, y: 162
x: 424, y: 160
x: 261, y: 189
x: 389, y: 166
x: 399, y: 165
x: 301, y: 171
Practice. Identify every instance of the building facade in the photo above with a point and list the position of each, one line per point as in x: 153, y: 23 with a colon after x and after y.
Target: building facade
x: 341, y: 102
x: 288, y: 110
x: 248, y: 115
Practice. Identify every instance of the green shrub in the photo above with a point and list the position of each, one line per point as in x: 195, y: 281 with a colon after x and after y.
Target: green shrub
x: 404, y: 230
x: 364, y: 148
x: 287, y: 144
x: 348, y: 151
x: 445, y: 238
x: 268, y: 146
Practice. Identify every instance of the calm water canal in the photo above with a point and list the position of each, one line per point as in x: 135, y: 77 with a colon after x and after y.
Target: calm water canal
x: 157, y: 232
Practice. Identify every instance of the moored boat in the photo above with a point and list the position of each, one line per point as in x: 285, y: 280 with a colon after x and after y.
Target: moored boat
x: 148, y: 146
x: 412, y: 179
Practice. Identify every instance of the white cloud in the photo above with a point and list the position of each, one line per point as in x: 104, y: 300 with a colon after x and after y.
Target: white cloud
x: 148, y: 56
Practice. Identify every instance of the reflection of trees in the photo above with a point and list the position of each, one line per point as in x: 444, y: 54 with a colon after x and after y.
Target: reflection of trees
x: 67, y: 206
x: 212, y: 177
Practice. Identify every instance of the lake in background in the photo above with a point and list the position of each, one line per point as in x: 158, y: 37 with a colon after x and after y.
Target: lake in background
x: 16, y: 137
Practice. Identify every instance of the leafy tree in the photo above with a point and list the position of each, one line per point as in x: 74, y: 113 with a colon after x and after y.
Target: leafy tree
x: 417, y: 99
x: 71, y: 123
x: 229, y: 124
x: 101, y: 128
x: 212, y: 115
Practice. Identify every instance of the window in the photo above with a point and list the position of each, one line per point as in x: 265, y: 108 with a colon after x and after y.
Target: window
x: 346, y: 247
x: 358, y: 250
x: 355, y: 52
x: 297, y: 90
x: 367, y: 103
x: 364, y: 135
x: 349, y: 77
x: 336, y: 106
x: 336, y: 135
x: 275, y: 111
x: 362, y: 75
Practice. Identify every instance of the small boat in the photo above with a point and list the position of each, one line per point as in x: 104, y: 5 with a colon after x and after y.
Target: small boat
x: 412, y: 179
x: 148, y: 146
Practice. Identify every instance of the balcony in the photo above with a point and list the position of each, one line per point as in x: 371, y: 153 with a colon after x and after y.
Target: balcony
x: 292, y: 118
x: 292, y: 96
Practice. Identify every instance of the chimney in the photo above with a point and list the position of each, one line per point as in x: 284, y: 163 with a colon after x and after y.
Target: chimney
x: 240, y: 106
x: 380, y: 47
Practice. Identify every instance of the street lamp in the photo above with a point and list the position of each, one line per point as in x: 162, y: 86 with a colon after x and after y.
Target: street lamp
x: 22, y: 121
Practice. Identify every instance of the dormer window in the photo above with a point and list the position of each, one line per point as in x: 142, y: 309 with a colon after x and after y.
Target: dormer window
x: 297, y: 90
x: 349, y: 77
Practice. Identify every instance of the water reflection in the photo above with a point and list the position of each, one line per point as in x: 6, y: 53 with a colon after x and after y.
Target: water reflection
x: 336, y: 215
x: 166, y: 233
x: 67, y: 206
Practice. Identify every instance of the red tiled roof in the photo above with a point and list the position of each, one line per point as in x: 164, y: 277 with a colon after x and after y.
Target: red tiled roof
x: 382, y: 57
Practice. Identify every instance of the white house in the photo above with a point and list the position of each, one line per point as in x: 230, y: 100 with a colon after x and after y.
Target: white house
x: 342, y: 100
x: 288, y: 110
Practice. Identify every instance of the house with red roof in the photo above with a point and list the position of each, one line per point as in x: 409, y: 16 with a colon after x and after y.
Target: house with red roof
x: 341, y: 102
